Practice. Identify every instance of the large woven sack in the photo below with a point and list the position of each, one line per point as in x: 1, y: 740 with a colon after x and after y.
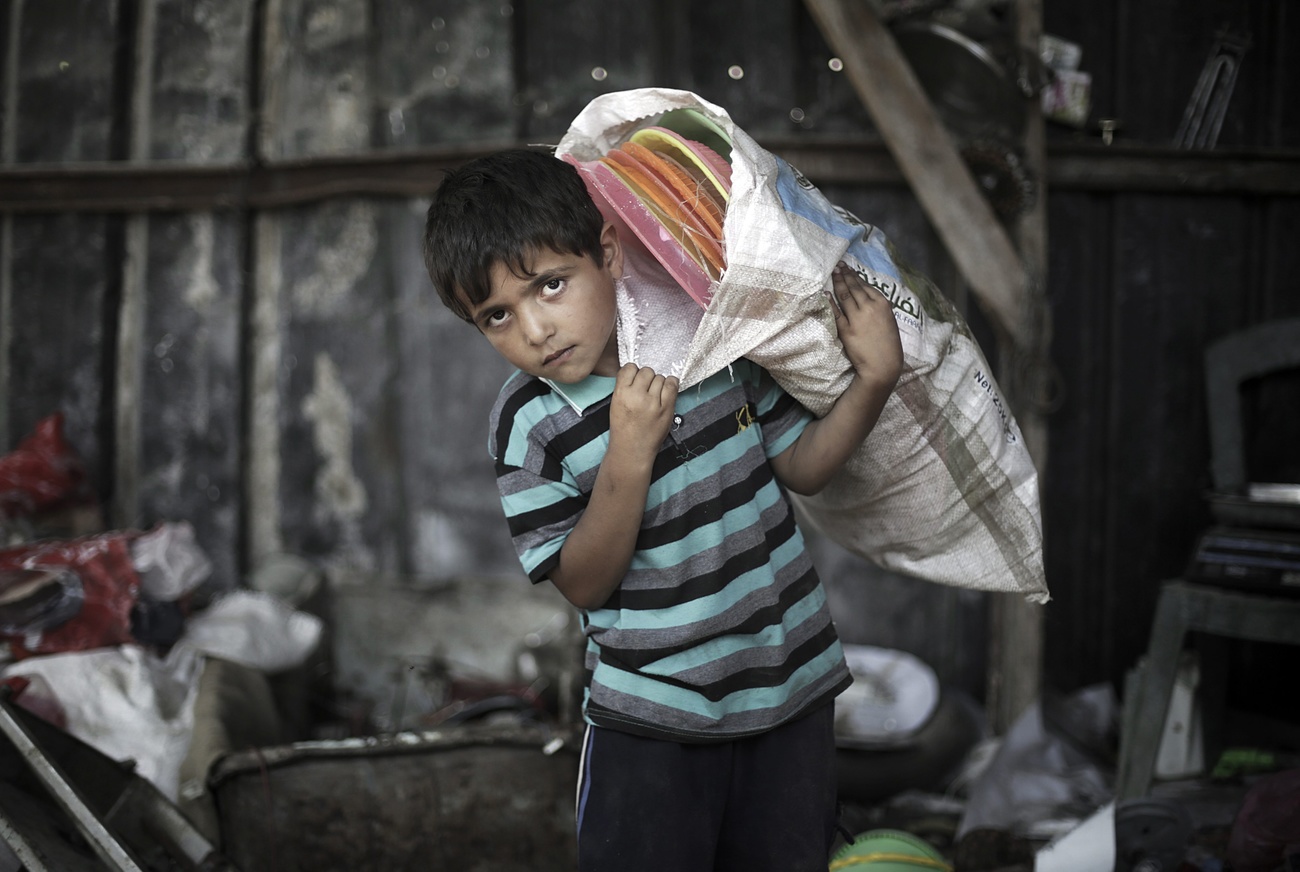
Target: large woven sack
x: 944, y: 488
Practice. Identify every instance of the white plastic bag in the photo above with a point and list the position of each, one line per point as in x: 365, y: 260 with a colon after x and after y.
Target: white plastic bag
x: 943, y: 488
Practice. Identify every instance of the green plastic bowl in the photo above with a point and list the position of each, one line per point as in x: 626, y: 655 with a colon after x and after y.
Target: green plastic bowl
x: 888, y: 851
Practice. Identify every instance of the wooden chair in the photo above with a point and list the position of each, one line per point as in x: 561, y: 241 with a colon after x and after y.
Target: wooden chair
x: 1185, y: 606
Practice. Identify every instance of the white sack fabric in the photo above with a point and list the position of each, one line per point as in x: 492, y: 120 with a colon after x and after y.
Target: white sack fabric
x: 943, y: 488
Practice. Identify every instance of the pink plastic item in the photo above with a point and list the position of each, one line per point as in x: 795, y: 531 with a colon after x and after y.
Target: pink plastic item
x: 610, y: 194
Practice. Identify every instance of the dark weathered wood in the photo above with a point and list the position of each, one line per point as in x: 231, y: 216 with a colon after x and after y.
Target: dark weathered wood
x: 191, y: 382
x: 64, y: 108
x: 823, y: 92
x: 62, y: 300
x: 1134, y: 169
x: 160, y: 186
x: 444, y: 72
x: 451, y: 376
x: 1016, y: 633
x: 742, y: 56
x: 199, y: 105
x: 179, y: 385
x: 62, y: 290
x: 317, y: 94
x: 1087, y: 602
x: 339, y: 486
x: 571, y: 51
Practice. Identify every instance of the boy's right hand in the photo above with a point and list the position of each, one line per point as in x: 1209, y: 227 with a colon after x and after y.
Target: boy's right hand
x: 641, y: 411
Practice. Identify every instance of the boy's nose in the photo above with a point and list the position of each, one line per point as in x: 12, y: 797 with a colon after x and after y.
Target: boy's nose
x: 535, y: 325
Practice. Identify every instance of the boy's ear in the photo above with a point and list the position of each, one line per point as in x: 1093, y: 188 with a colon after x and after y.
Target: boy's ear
x: 613, y: 249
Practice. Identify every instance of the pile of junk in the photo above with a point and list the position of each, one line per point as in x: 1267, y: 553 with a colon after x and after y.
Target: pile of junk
x: 155, y: 718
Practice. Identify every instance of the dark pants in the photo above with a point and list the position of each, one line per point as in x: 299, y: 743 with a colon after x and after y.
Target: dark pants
x: 762, y: 803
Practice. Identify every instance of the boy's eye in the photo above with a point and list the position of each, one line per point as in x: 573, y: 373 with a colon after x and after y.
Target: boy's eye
x: 495, y: 318
x: 554, y: 286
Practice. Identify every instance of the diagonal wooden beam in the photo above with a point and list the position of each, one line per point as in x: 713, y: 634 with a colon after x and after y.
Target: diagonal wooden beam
x: 925, y: 152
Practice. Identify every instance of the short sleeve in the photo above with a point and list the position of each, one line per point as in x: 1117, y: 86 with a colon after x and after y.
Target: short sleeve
x: 781, y: 417
x: 540, y: 497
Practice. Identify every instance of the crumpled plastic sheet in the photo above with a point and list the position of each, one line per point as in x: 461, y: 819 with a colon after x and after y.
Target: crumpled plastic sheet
x: 169, y: 561
x: 126, y: 703
x: 131, y: 704
x: 254, y: 629
x: 1038, y: 775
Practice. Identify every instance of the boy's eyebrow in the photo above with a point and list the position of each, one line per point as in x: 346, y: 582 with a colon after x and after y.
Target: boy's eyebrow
x: 545, y: 276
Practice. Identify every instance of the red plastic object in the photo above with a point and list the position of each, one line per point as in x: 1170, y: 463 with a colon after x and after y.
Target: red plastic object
x: 1267, y: 828
x: 42, y: 474
x: 33, y: 694
x: 110, y: 587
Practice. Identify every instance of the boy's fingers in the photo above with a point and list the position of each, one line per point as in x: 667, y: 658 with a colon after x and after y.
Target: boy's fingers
x: 627, y: 374
x: 846, y: 290
x: 669, y: 390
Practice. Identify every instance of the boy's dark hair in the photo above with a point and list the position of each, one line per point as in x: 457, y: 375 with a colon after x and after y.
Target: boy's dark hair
x: 500, y: 209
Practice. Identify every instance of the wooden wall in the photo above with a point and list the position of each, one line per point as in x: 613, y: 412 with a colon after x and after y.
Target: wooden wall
x: 284, y: 378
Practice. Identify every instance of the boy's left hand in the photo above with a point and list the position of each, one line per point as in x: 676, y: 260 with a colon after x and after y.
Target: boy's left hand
x: 867, y: 329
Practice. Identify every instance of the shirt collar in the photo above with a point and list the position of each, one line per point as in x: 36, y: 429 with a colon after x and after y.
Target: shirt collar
x: 586, y: 393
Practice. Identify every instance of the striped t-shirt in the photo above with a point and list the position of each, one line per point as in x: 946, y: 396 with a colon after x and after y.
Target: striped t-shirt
x: 720, y: 628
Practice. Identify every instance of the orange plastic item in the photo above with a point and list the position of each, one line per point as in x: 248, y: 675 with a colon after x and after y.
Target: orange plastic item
x: 693, y: 196
x: 668, y: 210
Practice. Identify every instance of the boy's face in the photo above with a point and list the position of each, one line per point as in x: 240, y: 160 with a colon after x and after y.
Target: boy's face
x: 559, y: 322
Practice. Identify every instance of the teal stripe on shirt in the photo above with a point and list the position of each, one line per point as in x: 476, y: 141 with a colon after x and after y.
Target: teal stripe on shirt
x: 742, y: 700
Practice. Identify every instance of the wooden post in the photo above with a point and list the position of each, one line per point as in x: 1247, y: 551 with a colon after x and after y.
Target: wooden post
x: 127, y: 384
x: 1016, y: 637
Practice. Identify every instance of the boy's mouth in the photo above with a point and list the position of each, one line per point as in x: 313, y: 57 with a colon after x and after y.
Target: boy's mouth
x: 558, y: 356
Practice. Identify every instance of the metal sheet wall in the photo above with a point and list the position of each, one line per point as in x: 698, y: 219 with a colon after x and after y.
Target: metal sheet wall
x: 285, y: 379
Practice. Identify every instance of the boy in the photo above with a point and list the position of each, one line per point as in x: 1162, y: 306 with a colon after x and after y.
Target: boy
x: 712, y: 659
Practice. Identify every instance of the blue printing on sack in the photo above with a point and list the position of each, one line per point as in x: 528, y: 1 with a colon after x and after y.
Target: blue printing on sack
x: 866, y: 244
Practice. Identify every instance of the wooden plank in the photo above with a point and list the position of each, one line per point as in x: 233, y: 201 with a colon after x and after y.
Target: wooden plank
x: 1148, y: 169
x: 340, y: 488
x: 199, y: 87
x: 66, y: 80
x: 186, y: 285
x: 177, y: 387
x: 124, y: 511
x: 928, y: 157
x: 160, y: 186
